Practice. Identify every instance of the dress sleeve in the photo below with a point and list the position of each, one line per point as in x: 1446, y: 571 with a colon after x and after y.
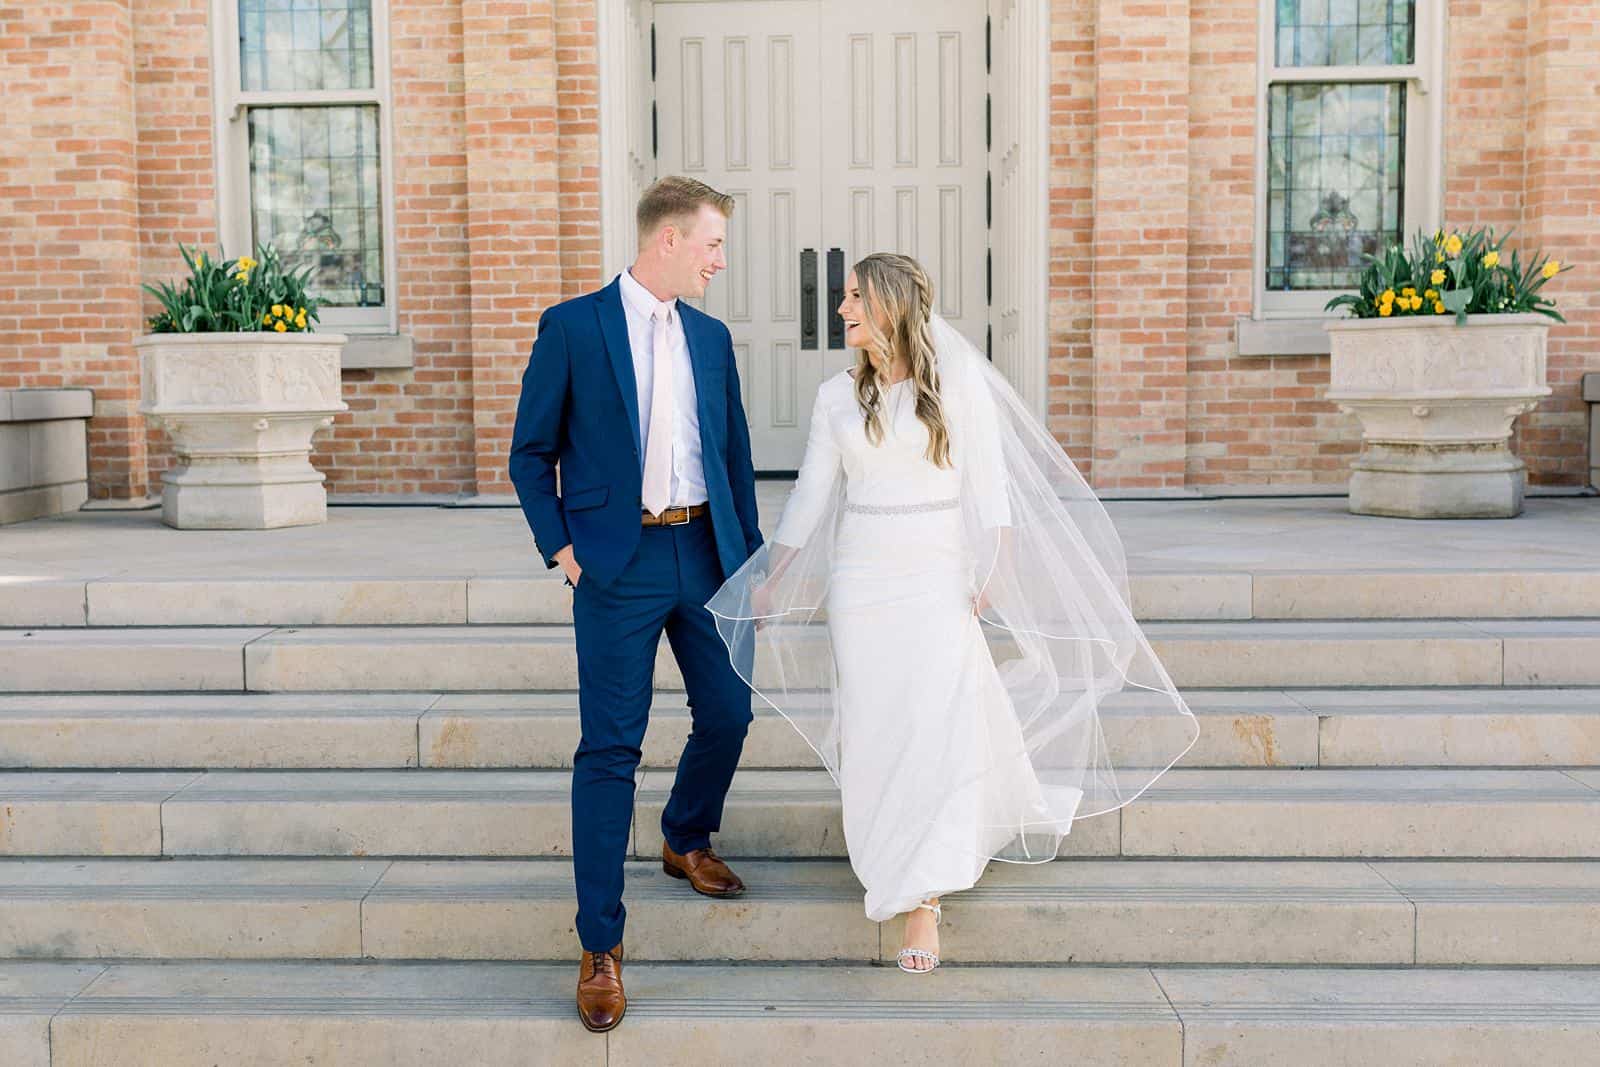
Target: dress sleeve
x: 985, y: 459
x: 813, y: 489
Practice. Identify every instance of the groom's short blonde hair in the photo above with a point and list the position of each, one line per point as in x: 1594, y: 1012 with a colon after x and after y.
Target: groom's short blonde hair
x: 676, y: 198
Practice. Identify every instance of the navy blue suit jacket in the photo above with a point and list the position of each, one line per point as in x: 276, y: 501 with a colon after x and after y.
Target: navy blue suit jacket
x: 580, y: 409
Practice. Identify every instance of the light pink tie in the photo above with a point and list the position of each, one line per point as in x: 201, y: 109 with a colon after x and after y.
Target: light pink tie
x: 658, y: 440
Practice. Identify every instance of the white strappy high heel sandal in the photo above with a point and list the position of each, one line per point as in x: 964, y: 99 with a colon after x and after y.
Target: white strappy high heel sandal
x: 907, y: 954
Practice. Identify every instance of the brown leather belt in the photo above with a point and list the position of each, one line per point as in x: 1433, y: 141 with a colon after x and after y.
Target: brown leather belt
x: 675, y: 516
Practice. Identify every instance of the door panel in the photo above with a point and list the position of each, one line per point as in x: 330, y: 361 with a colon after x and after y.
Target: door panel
x: 736, y: 102
x: 903, y: 90
x: 855, y: 125
x: 1010, y: 192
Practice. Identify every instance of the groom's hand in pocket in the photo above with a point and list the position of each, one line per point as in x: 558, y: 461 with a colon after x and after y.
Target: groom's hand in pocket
x: 569, y: 566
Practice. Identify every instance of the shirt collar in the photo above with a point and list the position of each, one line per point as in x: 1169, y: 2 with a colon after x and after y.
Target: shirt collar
x: 639, y: 298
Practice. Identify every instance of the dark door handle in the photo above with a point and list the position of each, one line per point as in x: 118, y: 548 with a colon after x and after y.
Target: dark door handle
x: 835, y: 297
x: 808, y: 298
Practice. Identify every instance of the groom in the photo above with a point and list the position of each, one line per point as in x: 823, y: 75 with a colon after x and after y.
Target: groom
x: 634, y: 394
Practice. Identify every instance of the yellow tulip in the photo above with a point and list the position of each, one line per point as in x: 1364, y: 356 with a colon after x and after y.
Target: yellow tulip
x: 1438, y: 257
x: 1492, y: 259
x: 1452, y: 244
x: 1386, y: 310
x: 1552, y: 268
x: 266, y: 320
x: 277, y: 309
x: 280, y: 327
x: 1431, y: 294
x: 1408, y: 291
x: 1416, y: 303
x: 1437, y: 277
x: 1387, y: 296
x: 1438, y: 307
x: 300, y: 320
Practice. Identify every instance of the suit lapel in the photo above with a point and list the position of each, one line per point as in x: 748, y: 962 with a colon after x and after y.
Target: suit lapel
x: 614, y: 329
x: 707, y: 380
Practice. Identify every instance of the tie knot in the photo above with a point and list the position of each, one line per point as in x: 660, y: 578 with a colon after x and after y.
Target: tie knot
x: 662, y: 313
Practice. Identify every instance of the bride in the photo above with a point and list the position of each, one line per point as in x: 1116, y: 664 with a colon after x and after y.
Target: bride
x: 943, y: 614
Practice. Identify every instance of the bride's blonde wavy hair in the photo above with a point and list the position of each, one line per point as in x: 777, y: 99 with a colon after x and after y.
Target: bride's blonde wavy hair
x: 898, y: 287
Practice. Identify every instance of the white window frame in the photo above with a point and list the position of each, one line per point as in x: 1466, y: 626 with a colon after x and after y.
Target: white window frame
x: 232, y: 139
x: 1424, y: 165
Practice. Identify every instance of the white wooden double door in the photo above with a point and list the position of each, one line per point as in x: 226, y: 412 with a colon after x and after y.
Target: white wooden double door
x: 840, y: 127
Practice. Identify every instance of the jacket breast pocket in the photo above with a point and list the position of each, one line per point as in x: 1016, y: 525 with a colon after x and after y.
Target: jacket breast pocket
x: 580, y: 499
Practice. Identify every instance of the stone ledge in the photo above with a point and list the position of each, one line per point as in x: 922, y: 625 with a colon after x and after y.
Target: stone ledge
x: 42, y: 501
x: 1591, y: 393
x: 378, y: 351
x: 44, y: 405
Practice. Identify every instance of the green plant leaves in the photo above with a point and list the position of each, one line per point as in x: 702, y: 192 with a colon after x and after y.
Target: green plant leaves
x: 235, y: 295
x: 1471, y: 287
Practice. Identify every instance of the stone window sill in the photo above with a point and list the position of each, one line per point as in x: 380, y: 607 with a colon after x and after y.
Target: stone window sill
x: 378, y: 351
x: 1282, y: 337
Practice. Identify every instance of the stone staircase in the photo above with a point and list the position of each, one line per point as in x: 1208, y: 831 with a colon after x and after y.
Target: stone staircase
x: 270, y: 821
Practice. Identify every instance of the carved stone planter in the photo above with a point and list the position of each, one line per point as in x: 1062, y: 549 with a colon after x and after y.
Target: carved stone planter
x: 1436, y: 403
x: 241, y: 410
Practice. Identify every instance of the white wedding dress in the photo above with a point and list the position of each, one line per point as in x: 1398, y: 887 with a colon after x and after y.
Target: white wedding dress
x: 954, y: 741
x: 923, y: 717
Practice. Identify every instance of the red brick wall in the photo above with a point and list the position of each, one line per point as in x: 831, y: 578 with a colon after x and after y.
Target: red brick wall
x: 1071, y: 229
x: 69, y: 250
x: 177, y: 175
x: 1141, y: 234
x: 410, y: 431
x: 578, y: 123
x: 1485, y: 134
x: 1561, y: 214
x: 495, y: 172
x: 1250, y: 421
x: 513, y: 206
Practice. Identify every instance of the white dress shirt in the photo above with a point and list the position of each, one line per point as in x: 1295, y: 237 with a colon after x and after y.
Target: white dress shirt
x: 688, y: 467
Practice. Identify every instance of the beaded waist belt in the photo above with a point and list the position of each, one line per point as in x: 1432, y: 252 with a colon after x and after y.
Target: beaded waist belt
x: 902, y: 509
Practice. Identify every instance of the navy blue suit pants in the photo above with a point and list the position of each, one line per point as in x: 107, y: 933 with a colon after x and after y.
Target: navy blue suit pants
x: 664, y: 586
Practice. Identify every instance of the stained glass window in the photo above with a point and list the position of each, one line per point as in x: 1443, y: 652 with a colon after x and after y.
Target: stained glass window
x: 1345, y: 33
x: 314, y: 196
x: 305, y: 44
x: 314, y: 164
x: 1336, y: 148
x: 1336, y: 155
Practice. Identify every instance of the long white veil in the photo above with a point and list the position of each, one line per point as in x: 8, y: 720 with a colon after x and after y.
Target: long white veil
x: 1098, y: 717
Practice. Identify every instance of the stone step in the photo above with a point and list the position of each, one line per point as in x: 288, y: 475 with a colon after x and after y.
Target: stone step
x: 1264, y: 813
x: 456, y: 658
x: 208, y: 659
x: 1085, y: 911
x: 289, y: 731
x: 454, y: 599
x: 497, y: 1014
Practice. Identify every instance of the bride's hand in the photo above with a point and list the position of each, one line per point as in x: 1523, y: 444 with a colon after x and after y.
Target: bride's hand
x: 761, y: 602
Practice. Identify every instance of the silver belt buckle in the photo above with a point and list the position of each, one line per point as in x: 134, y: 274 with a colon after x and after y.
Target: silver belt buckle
x: 686, y: 518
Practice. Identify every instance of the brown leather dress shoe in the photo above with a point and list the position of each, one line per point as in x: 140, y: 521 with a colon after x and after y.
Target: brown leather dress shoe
x: 703, y: 870
x: 601, y: 1002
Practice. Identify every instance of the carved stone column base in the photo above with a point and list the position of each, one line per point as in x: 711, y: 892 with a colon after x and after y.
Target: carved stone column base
x: 1479, y: 481
x: 241, y: 410
x: 1437, y: 402
x: 244, y: 492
